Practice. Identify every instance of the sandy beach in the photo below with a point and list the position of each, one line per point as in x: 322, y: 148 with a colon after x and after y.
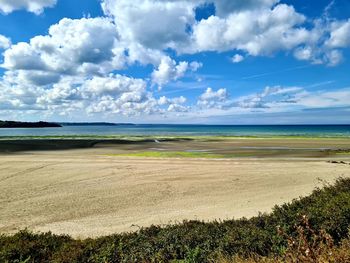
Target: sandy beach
x: 95, y: 191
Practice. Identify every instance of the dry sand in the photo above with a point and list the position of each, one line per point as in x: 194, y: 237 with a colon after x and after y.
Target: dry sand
x: 87, y: 193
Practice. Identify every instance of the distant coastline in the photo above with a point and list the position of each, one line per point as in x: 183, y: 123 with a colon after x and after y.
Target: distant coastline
x: 18, y: 124
x: 94, y: 124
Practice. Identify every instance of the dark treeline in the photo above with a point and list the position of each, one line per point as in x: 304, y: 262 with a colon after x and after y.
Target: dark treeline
x: 18, y: 124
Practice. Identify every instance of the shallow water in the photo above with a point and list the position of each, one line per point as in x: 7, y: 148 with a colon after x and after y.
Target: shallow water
x: 188, y: 130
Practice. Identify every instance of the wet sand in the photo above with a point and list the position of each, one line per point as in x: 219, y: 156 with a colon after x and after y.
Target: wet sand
x: 89, y: 192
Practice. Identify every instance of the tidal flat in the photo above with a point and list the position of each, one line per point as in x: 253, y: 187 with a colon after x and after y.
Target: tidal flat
x: 88, y: 187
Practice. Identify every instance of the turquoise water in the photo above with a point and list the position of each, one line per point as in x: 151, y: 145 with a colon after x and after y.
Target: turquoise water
x: 189, y: 130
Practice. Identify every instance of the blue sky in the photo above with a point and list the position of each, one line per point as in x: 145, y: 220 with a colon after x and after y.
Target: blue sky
x: 176, y: 61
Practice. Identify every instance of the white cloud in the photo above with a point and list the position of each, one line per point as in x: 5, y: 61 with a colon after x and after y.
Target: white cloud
x: 178, y: 100
x: 117, y: 95
x: 273, y: 101
x: 162, y: 24
x: 178, y: 108
x: 325, y: 41
x: 23, y: 57
x: 324, y: 99
x: 86, y: 47
x: 303, y: 53
x: 333, y: 57
x: 283, y: 99
x: 340, y: 35
x: 175, y: 104
x: 17, y: 97
x: 194, y: 66
x: 69, y: 71
x: 140, y: 54
x: 34, y: 6
x: 4, y: 42
x: 259, y: 28
x: 213, y: 99
x: 114, y: 85
x: 257, y: 32
x: 169, y: 70
x: 31, y: 77
x: 153, y: 24
x: 270, y: 97
x: 73, y: 47
x: 237, y: 58
x: 226, y: 7
x: 113, y: 95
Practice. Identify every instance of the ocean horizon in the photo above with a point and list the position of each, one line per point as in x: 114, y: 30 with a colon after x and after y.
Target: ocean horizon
x: 183, y: 130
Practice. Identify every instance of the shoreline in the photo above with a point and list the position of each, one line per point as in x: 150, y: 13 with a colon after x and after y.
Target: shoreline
x: 186, y: 147
x: 158, y: 136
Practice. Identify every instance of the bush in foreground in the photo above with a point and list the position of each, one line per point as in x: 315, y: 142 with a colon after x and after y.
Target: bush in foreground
x: 309, y: 229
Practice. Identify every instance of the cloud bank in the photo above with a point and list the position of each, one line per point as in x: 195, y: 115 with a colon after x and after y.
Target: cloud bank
x: 34, y: 6
x: 76, y: 67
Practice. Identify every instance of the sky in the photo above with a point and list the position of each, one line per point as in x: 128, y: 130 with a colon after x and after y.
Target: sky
x: 175, y: 61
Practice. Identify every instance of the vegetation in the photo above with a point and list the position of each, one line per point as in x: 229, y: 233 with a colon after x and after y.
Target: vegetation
x: 17, y: 124
x: 309, y: 229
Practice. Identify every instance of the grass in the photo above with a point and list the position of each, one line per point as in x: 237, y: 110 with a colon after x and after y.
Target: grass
x: 309, y: 229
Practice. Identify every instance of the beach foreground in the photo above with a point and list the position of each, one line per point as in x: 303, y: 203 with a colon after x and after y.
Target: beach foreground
x: 101, y: 190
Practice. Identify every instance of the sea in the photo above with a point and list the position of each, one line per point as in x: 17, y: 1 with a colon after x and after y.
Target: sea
x: 185, y: 130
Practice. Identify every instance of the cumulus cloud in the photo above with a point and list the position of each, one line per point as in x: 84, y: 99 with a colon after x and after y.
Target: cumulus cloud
x: 169, y: 24
x: 118, y: 94
x: 4, y: 42
x: 174, y: 104
x: 257, y: 32
x: 339, y: 35
x: 34, y: 6
x: 69, y: 70
x: 153, y: 24
x: 169, y: 70
x: 226, y: 7
x: 237, y: 58
x: 17, y: 97
x: 87, y: 46
x: 72, y: 47
x: 270, y: 97
x: 112, y: 95
x: 259, y: 28
x: 325, y: 42
x: 213, y: 99
x: 178, y: 100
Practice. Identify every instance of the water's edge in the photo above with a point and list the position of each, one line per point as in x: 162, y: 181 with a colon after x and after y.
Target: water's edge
x: 186, y: 130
